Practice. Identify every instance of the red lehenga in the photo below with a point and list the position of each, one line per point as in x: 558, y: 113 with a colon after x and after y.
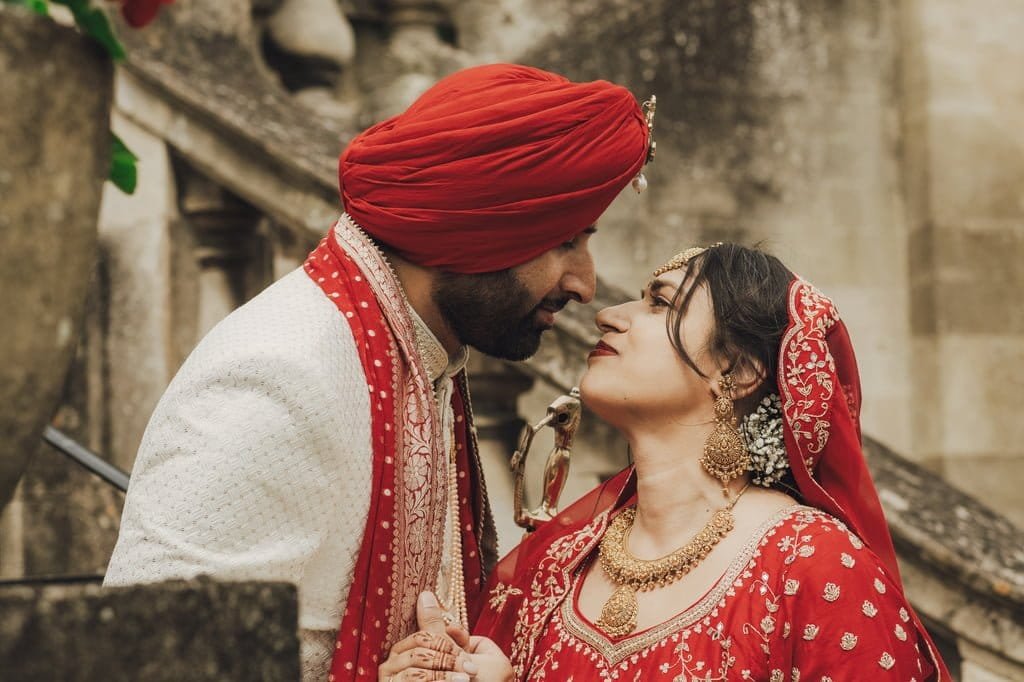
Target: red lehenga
x: 815, y: 595
x: 804, y: 600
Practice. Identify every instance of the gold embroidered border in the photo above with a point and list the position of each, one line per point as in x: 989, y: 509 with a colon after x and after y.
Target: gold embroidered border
x: 614, y: 653
x: 549, y: 587
x: 419, y: 518
x: 808, y: 354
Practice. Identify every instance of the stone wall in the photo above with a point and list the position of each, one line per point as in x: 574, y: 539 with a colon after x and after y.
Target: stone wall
x: 963, y: 101
x: 777, y: 124
x: 57, y: 86
x: 197, y: 631
x: 872, y: 146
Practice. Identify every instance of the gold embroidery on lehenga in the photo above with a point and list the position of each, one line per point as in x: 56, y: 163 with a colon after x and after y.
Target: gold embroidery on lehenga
x: 500, y: 595
x: 615, y: 652
x: 691, y: 656
x: 550, y: 584
x: 831, y: 592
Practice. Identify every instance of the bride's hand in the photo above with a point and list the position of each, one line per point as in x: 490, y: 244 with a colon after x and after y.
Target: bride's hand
x: 484, y: 654
x: 430, y: 653
x: 491, y: 661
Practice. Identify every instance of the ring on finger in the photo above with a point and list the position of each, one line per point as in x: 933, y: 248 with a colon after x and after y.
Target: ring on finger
x: 443, y: 660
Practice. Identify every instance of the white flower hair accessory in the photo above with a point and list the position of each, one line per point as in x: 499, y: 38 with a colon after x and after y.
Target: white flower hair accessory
x: 762, y: 432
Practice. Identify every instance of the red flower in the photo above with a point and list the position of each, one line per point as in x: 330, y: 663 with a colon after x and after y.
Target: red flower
x: 138, y: 13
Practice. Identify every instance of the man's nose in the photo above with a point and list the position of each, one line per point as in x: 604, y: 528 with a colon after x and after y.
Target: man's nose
x: 580, y: 280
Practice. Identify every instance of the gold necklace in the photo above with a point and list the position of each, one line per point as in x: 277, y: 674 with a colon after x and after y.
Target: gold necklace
x: 632, y: 575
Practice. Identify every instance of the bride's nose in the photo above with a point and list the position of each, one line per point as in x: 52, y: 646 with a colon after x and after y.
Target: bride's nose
x: 612, y: 319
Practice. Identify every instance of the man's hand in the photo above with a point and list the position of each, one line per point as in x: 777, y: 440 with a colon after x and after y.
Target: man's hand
x: 430, y: 653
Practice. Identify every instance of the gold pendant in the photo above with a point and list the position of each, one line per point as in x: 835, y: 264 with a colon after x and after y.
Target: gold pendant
x: 618, y: 616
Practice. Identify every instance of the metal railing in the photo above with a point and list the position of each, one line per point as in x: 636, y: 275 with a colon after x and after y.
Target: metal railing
x: 85, y: 457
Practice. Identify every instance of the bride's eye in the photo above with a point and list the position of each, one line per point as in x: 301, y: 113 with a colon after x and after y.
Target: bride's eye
x: 659, y: 302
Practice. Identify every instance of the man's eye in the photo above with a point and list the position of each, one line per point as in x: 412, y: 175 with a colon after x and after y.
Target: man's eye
x: 568, y: 246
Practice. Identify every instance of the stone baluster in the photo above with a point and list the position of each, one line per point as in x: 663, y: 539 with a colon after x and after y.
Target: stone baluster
x: 228, y: 249
x: 311, y: 45
x: 415, y: 20
x: 496, y: 388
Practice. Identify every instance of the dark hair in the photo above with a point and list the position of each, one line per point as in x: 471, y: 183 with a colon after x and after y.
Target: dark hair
x: 748, y: 289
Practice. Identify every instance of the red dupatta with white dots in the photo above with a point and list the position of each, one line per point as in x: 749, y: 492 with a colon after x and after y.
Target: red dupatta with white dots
x: 401, y: 550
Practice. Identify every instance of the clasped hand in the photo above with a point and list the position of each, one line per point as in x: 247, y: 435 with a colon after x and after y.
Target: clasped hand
x: 443, y: 652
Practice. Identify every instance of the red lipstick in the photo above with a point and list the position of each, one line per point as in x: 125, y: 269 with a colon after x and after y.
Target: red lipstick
x: 602, y: 348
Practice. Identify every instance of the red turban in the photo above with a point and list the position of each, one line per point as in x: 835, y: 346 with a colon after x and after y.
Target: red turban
x: 493, y: 166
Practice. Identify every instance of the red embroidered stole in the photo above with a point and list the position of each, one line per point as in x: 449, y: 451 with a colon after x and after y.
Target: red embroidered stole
x: 534, y: 578
x: 400, y: 553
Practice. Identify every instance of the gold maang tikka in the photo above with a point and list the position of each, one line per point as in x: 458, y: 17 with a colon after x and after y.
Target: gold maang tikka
x: 682, y: 259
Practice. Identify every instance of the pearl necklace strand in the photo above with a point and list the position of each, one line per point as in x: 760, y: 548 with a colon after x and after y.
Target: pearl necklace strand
x: 456, y: 581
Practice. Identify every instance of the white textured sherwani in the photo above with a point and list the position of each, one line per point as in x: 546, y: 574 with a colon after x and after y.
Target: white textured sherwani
x: 256, y: 463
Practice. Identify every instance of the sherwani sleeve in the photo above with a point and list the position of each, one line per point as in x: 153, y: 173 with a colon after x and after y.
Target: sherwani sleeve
x: 256, y: 463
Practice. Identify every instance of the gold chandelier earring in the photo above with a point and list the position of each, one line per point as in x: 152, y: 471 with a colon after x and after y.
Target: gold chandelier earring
x: 725, y: 454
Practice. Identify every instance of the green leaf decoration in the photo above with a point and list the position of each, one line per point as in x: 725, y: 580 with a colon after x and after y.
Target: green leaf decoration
x: 94, y: 22
x: 37, y: 6
x: 123, y: 173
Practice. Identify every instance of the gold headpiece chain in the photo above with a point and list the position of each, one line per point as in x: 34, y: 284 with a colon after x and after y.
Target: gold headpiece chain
x: 682, y: 259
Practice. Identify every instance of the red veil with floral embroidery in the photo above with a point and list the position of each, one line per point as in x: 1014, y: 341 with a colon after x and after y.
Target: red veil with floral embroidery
x: 788, y: 605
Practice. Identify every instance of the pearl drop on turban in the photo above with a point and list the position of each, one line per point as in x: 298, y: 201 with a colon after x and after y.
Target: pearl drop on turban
x: 493, y: 166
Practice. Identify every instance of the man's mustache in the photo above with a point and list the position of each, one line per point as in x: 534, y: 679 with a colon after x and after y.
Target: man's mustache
x: 554, y: 304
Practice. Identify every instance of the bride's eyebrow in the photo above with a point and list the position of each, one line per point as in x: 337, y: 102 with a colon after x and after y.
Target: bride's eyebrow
x: 655, y: 285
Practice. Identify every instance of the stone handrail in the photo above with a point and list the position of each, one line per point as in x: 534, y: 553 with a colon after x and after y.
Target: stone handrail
x: 197, y: 630
x: 964, y: 563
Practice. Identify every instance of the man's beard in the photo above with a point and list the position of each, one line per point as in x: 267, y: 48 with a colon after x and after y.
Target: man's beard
x: 492, y: 312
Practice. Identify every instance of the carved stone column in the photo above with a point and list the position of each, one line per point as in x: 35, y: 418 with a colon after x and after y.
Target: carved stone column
x: 287, y: 250
x: 415, y: 20
x: 228, y: 248
x: 495, y: 388
x: 966, y: 242
x: 412, y: 57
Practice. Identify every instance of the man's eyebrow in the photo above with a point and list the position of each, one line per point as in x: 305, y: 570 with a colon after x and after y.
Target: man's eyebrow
x: 590, y: 230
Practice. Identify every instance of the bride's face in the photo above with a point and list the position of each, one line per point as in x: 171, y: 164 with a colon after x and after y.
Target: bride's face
x: 635, y: 374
